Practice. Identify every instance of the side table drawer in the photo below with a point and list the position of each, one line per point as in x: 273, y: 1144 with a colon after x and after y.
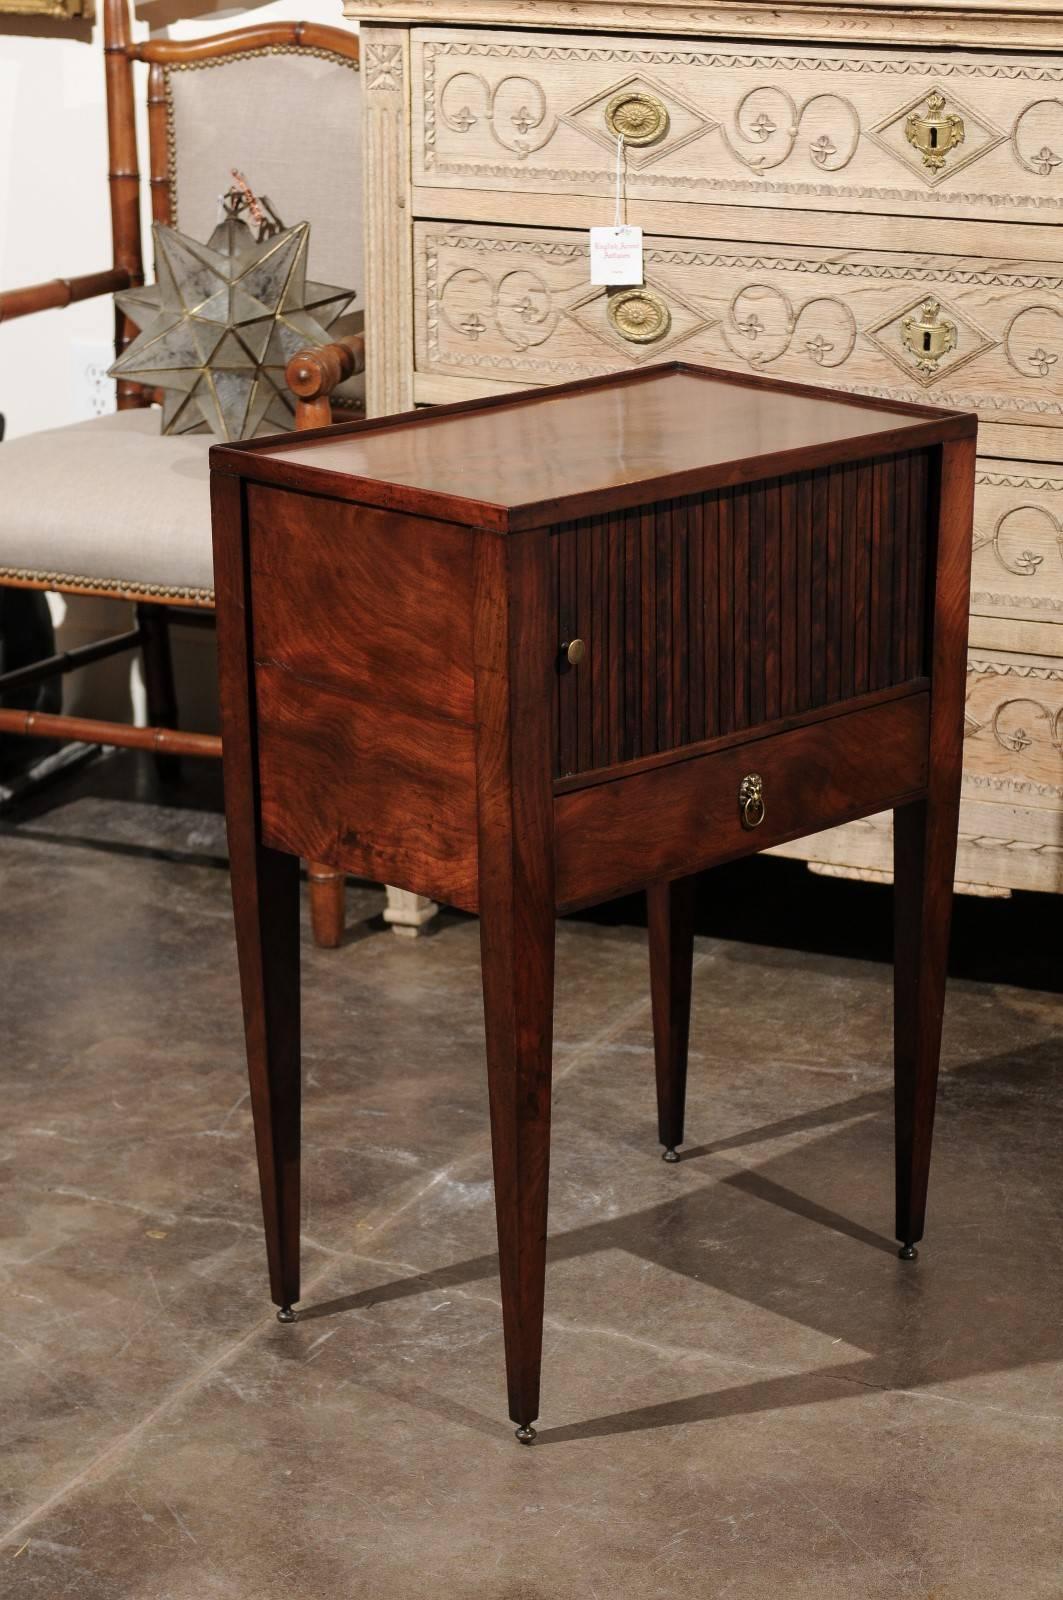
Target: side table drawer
x: 672, y: 820
x: 929, y: 133
x: 517, y: 305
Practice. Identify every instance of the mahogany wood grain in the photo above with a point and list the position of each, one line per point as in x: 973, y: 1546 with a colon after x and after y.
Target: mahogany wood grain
x: 670, y: 920
x: 554, y: 454
x: 925, y: 850
x: 514, y: 664
x: 684, y: 817
x: 403, y: 706
x: 265, y: 890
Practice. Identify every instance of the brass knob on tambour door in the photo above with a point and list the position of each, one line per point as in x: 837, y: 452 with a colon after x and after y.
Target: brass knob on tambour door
x: 636, y: 117
x: 573, y: 651
x: 751, y: 800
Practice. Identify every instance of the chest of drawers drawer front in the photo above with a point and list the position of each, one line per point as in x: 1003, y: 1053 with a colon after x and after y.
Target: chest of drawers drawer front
x: 671, y: 820
x: 916, y: 133
x: 1017, y: 571
x: 517, y: 304
x: 1013, y: 741
x: 718, y: 612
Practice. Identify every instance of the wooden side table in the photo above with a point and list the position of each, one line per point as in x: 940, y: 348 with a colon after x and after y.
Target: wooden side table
x: 676, y: 616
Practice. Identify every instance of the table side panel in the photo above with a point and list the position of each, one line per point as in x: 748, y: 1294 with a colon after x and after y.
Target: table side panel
x: 357, y: 614
x: 615, y: 837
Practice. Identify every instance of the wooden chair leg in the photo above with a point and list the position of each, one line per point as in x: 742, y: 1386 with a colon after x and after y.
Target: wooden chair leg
x: 157, y: 661
x: 517, y: 955
x: 924, y: 862
x: 328, y: 904
x: 670, y: 916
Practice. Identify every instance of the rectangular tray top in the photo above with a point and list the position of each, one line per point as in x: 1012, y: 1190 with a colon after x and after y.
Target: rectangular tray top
x: 520, y: 461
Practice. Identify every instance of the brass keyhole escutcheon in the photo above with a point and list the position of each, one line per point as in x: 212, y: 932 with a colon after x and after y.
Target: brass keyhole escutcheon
x: 935, y: 131
x: 636, y: 117
x: 751, y: 800
x: 929, y: 336
x: 573, y: 651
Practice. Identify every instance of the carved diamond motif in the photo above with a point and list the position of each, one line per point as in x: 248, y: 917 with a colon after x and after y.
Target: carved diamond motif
x: 684, y: 121
x: 894, y: 339
x: 680, y: 321
x: 979, y: 136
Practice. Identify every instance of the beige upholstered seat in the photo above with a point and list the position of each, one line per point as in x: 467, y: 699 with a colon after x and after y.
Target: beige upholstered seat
x: 108, y: 504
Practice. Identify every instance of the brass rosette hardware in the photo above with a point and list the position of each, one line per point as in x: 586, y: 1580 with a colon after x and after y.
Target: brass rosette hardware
x: 639, y: 315
x: 751, y: 800
x: 935, y: 131
x: 636, y: 117
x: 929, y: 336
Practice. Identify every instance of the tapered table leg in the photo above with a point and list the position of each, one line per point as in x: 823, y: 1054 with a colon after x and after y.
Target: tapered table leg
x: 518, y: 978
x: 515, y: 654
x: 265, y: 890
x: 670, y: 915
x: 266, y: 904
x: 924, y: 861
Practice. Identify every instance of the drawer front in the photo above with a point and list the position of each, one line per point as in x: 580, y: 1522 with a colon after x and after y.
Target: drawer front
x: 617, y: 836
x: 1013, y: 743
x: 719, y: 612
x: 1017, y: 571
x: 516, y: 304
x: 926, y: 133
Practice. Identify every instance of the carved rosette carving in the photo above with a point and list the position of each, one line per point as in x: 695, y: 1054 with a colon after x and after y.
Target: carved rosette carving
x: 382, y: 67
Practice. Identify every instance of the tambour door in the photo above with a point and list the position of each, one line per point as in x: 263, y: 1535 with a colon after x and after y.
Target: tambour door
x: 710, y: 614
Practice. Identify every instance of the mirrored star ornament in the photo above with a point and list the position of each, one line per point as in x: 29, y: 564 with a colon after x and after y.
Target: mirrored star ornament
x: 224, y: 318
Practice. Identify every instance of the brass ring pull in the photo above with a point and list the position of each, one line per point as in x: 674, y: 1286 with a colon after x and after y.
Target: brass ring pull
x: 636, y: 117
x: 751, y: 800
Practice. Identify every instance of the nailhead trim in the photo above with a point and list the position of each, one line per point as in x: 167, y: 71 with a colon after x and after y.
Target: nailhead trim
x: 118, y: 587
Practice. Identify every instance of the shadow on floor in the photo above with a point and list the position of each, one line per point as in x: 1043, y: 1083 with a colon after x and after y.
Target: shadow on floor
x: 956, y: 1314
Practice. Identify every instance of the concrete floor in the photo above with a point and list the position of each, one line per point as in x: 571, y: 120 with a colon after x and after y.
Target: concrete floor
x: 746, y: 1395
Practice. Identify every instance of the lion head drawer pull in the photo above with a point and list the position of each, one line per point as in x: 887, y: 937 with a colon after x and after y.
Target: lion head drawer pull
x: 929, y: 336
x: 636, y: 117
x: 639, y: 315
x: 935, y: 131
x: 751, y: 800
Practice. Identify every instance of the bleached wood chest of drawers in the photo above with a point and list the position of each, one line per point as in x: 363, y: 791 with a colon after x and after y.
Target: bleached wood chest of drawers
x: 866, y: 195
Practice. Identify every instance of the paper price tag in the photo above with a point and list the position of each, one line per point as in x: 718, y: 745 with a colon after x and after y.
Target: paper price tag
x: 616, y: 255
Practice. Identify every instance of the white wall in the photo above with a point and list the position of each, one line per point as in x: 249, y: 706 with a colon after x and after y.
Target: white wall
x: 54, y: 221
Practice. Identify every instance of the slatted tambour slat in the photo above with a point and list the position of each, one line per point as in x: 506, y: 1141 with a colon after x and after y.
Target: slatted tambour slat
x: 712, y: 613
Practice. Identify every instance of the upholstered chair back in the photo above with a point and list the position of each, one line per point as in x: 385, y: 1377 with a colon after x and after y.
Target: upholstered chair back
x: 289, y: 118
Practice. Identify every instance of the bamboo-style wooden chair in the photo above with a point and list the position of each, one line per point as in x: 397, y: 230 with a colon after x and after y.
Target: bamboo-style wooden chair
x: 111, y: 507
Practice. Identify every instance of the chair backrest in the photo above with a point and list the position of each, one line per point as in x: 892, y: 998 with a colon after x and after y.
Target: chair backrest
x: 284, y: 108
x: 281, y: 102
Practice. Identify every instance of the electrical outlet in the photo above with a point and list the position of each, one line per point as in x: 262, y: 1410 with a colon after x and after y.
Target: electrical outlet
x: 93, y: 391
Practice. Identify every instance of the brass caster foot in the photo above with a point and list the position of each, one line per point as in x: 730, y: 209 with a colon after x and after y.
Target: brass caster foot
x: 908, y: 1252
x: 285, y: 1314
x: 670, y: 1156
x: 526, y: 1434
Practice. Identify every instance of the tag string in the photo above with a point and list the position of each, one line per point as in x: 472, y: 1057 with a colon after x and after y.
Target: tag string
x: 618, y: 221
